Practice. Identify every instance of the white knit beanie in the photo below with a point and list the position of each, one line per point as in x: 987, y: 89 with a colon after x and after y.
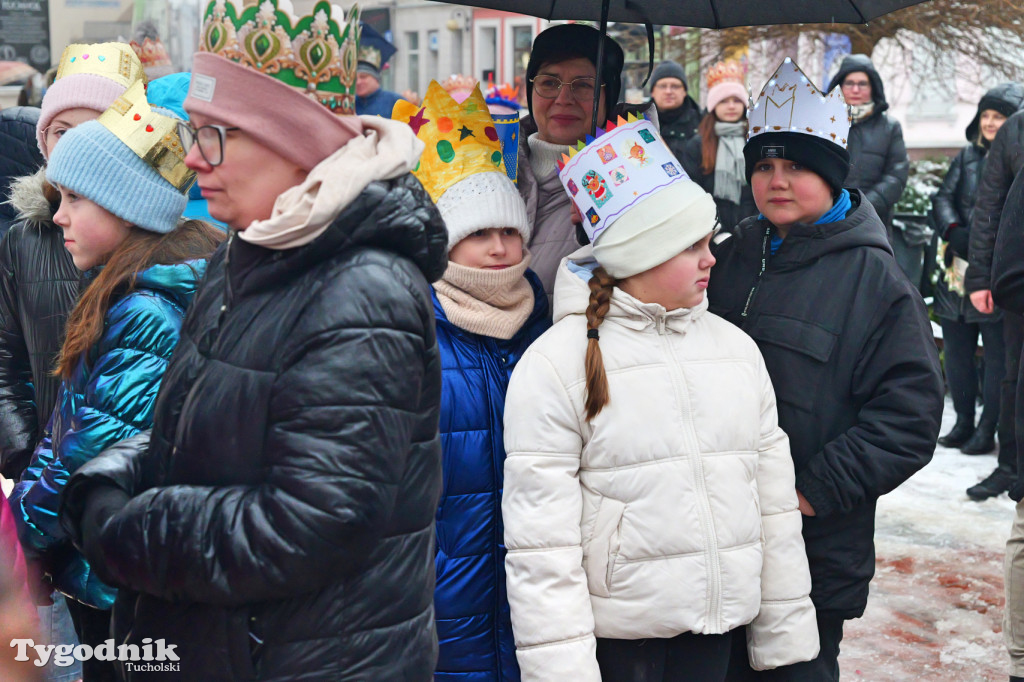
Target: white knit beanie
x: 482, y: 201
x: 656, y: 229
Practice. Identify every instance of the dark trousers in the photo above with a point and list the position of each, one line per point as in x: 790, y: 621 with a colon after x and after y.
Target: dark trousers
x: 93, y: 628
x: 960, y: 344
x: 825, y: 668
x: 677, y: 659
x: 1013, y: 339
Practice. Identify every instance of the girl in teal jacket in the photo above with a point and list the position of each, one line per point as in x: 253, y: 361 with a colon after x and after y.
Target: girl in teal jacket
x: 120, y: 217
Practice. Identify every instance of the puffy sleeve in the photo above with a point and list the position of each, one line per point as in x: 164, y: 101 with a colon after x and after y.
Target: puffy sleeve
x: 785, y: 630
x: 116, y: 403
x: 552, y: 618
x: 18, y: 427
x: 342, y: 416
x: 898, y: 383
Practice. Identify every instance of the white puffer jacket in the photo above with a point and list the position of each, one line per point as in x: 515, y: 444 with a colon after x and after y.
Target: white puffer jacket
x: 673, y: 511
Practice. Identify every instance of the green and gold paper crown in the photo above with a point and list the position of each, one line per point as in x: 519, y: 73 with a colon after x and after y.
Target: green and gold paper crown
x: 312, y: 54
x: 152, y: 136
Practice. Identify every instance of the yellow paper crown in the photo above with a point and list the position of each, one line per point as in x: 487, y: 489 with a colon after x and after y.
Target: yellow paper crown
x: 116, y: 61
x: 461, y: 138
x: 152, y: 136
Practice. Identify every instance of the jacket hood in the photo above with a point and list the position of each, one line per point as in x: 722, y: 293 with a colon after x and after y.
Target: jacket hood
x: 572, y: 297
x: 861, y: 62
x: 807, y: 243
x: 20, y: 152
x: 29, y: 202
x: 390, y: 215
x: 1006, y: 98
x: 177, y: 282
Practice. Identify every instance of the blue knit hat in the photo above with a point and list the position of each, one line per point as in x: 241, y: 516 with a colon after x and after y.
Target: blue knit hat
x: 94, y: 162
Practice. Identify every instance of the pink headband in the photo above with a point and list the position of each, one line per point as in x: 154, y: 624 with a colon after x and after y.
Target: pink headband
x: 724, y: 91
x: 80, y: 90
x: 277, y: 116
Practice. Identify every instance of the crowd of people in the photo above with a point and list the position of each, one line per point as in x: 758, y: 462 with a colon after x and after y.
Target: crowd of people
x: 402, y: 396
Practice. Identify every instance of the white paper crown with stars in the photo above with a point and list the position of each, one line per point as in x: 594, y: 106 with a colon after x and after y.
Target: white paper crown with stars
x: 605, y: 176
x: 790, y: 103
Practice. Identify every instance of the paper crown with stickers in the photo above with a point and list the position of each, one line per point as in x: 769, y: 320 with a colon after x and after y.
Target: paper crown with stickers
x: 790, y: 103
x: 608, y: 174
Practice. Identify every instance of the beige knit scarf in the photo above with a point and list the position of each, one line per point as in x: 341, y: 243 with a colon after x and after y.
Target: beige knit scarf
x: 492, y: 303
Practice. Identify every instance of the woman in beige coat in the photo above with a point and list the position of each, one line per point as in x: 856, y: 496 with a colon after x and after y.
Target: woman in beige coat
x: 649, y: 501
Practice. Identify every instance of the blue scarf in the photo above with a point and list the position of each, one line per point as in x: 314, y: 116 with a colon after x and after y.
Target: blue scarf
x: 833, y: 215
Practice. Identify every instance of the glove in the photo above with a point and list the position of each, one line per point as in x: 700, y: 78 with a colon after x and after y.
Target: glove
x: 959, y: 238
x: 100, y: 506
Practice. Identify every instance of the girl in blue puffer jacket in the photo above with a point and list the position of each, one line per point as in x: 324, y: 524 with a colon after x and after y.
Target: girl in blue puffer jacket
x: 120, y: 217
x: 489, y: 307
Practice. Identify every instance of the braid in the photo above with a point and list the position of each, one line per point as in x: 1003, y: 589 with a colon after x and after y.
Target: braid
x: 601, y: 285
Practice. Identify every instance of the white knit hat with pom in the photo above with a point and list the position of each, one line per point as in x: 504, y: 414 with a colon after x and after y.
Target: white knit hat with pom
x: 482, y: 201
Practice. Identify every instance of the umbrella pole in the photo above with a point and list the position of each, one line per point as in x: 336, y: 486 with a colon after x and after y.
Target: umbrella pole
x: 598, y: 81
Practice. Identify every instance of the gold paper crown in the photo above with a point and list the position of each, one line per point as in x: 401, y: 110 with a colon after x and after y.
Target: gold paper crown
x: 116, y: 61
x: 152, y: 136
x: 370, y: 55
x: 460, y: 138
x: 312, y: 54
x: 725, y: 71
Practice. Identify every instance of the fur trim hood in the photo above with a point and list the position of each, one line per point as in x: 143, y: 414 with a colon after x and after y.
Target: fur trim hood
x: 29, y: 200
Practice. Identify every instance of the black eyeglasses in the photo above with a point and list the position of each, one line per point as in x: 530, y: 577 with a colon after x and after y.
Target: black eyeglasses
x: 548, y: 87
x: 210, y: 139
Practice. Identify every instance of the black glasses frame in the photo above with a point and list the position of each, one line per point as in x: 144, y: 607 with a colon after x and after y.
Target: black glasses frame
x: 190, y: 136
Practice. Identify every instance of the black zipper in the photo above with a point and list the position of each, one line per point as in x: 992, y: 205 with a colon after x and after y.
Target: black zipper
x: 764, y: 266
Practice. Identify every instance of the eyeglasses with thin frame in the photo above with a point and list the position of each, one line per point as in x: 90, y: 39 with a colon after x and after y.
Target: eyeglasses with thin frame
x: 57, y: 130
x: 856, y: 84
x: 548, y: 87
x: 210, y: 139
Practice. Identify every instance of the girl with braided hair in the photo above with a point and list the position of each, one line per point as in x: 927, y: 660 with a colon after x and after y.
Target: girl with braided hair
x: 649, y: 501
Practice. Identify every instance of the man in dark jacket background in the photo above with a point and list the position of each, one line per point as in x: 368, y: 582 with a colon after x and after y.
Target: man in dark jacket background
x: 1004, y: 161
x: 879, y: 166
x: 678, y: 113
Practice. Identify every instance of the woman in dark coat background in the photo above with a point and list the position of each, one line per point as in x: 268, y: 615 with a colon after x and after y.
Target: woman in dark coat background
x: 953, y: 207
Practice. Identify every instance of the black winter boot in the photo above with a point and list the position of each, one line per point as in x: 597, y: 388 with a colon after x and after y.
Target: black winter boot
x: 996, y: 483
x: 960, y: 433
x: 982, y: 442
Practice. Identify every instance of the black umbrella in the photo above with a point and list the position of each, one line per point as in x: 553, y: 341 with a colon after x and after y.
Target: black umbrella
x: 697, y: 14
x: 703, y: 13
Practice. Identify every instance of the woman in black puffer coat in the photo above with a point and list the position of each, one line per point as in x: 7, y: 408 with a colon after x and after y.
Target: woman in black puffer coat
x: 953, y: 207
x: 38, y: 287
x: 278, y: 524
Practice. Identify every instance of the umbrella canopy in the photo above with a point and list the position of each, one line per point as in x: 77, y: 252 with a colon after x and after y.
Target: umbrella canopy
x: 15, y: 72
x: 705, y: 13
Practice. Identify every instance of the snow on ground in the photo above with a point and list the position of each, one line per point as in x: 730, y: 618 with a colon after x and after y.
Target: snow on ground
x: 936, y: 604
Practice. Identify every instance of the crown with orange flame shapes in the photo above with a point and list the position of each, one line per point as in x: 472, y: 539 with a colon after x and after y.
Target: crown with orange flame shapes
x: 725, y: 71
